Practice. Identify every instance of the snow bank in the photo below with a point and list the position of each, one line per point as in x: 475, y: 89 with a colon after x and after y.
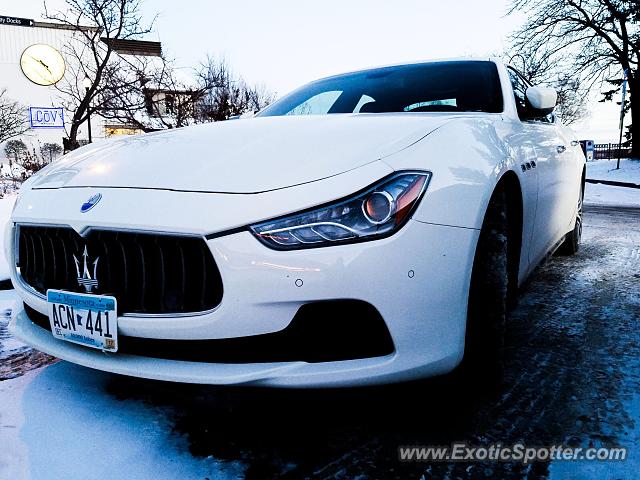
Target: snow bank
x: 6, y: 206
x: 598, y: 194
x: 9, y: 345
x: 61, y: 423
x: 606, y: 170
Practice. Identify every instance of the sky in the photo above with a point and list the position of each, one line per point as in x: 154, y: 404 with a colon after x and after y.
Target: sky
x: 283, y: 44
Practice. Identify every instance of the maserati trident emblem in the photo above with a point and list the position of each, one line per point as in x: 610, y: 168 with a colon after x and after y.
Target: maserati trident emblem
x: 92, y: 202
x: 85, y: 279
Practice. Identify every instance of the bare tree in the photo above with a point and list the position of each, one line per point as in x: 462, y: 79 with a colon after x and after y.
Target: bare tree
x: 573, y: 98
x: 32, y: 162
x: 151, y: 94
x: 24, y: 162
x: 16, y: 151
x: 12, y: 118
x: 572, y: 95
x: 227, y: 95
x: 588, y: 40
x: 50, y: 151
x: 97, y: 23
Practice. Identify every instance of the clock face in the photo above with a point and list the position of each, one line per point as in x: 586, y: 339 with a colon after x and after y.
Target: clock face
x: 42, y: 64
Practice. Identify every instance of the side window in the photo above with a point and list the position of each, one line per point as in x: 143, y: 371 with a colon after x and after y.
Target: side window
x: 317, y: 105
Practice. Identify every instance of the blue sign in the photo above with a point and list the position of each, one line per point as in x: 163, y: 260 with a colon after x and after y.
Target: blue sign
x: 46, y: 117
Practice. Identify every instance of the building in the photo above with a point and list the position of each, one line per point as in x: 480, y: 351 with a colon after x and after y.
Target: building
x: 43, y: 102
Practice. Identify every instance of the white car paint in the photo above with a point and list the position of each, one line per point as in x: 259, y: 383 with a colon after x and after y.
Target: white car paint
x: 542, y: 98
x: 216, y: 178
x: 270, y: 153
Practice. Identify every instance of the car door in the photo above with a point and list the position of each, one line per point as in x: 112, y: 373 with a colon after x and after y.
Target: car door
x: 570, y: 164
x: 518, y: 137
x: 550, y: 219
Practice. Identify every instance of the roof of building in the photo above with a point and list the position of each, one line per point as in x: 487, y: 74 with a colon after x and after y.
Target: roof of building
x: 63, y: 26
x: 143, y: 48
x: 123, y: 47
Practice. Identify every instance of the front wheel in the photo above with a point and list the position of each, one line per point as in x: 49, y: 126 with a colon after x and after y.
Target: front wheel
x: 487, y: 310
x: 572, y: 239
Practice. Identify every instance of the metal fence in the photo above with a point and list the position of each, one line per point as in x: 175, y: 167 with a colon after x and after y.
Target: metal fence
x: 610, y: 151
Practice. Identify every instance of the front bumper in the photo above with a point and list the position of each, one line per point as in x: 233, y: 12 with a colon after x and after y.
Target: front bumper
x: 417, y: 279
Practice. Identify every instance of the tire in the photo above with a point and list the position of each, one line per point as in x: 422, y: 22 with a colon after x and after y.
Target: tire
x: 488, y: 297
x: 571, y: 243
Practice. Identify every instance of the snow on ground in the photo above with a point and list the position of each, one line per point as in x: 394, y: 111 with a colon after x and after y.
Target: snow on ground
x: 6, y: 206
x: 58, y: 423
x: 598, y: 194
x: 606, y: 170
x: 626, y: 469
x: 9, y: 345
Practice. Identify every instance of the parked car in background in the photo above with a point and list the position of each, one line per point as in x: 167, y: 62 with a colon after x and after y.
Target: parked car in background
x: 368, y: 228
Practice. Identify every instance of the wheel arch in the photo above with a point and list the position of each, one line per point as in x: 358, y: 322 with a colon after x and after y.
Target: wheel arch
x: 510, y: 184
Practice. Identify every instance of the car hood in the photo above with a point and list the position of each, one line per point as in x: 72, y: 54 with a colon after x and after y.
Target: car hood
x: 240, y: 156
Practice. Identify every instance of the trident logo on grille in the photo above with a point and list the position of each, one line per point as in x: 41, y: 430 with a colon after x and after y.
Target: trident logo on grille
x: 86, y: 280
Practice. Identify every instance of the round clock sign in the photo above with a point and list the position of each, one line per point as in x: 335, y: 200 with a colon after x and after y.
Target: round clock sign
x: 42, y: 64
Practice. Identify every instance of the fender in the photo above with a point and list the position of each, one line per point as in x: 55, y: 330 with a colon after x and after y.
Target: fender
x: 467, y: 158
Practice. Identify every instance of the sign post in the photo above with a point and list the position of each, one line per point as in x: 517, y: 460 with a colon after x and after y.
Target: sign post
x: 624, y: 95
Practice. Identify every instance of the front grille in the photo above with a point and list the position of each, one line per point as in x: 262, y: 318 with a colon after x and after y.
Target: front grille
x: 147, y: 273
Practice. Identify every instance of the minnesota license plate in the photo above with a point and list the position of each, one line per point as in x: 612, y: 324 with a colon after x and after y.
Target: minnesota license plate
x: 90, y: 320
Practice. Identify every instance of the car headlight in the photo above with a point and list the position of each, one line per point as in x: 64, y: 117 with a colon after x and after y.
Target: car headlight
x: 376, y: 212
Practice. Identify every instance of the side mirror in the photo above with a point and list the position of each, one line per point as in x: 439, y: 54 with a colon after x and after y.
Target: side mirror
x: 542, y: 100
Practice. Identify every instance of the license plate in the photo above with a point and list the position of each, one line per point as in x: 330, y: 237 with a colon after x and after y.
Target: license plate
x: 90, y: 320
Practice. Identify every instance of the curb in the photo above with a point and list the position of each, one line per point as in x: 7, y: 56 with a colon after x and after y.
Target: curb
x: 613, y: 183
x: 611, y: 209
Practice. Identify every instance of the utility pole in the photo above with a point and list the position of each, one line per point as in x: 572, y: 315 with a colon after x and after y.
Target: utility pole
x: 624, y: 94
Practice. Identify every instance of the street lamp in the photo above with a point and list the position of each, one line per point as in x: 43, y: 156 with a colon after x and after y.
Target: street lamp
x: 86, y: 83
x: 524, y: 62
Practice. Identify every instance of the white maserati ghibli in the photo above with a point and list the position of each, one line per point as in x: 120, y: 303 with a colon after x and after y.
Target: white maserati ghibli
x: 368, y: 228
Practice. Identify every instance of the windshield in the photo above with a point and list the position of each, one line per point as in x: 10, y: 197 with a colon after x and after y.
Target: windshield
x: 461, y: 86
